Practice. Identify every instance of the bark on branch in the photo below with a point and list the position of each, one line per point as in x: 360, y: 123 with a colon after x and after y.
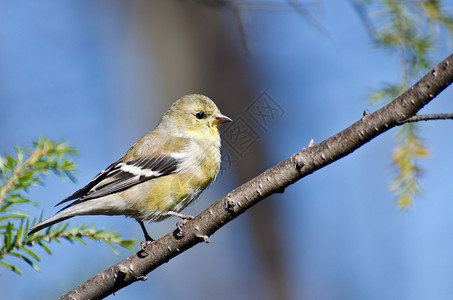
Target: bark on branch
x: 274, y: 180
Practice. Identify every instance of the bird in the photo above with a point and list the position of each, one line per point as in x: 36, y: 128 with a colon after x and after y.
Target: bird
x: 162, y: 173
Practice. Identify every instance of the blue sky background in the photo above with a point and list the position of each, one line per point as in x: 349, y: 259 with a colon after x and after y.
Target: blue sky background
x: 72, y: 70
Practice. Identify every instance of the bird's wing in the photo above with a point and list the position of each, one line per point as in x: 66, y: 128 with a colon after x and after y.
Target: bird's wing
x: 98, y: 178
x: 121, y: 175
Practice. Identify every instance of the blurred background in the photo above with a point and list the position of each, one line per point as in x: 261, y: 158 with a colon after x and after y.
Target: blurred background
x: 99, y: 75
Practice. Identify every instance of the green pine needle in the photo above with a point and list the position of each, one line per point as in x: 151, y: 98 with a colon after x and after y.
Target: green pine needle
x: 409, y: 29
x: 17, y: 175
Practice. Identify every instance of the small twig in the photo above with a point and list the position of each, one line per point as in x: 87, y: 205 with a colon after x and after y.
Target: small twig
x: 428, y: 117
x: 237, y: 14
x: 360, y: 8
x: 305, y: 13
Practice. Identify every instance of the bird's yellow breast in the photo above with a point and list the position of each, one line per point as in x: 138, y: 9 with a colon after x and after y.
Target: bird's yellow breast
x: 201, y: 162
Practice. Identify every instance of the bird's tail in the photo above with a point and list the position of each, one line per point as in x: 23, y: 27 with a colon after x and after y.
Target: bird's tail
x: 46, y: 223
x: 90, y: 207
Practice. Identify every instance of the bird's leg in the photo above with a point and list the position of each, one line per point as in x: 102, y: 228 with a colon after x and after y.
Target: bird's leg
x: 179, y: 215
x: 184, y: 218
x: 148, y: 238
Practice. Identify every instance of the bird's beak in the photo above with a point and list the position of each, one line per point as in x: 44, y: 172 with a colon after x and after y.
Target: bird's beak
x: 219, y: 119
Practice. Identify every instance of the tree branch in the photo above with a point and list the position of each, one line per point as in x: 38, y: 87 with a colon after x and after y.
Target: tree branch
x: 274, y: 180
x: 428, y: 117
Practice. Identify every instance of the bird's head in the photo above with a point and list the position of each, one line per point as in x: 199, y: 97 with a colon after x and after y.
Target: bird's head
x: 195, y: 116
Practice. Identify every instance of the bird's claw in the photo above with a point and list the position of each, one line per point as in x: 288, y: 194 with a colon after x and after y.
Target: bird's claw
x: 180, y: 224
x: 202, y: 236
x: 144, y: 245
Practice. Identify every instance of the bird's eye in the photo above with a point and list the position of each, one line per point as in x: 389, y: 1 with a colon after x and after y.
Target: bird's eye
x: 200, y: 115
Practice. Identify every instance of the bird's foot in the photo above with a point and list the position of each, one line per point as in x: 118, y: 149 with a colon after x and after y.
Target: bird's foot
x: 185, y: 218
x: 144, y: 245
x: 179, y: 225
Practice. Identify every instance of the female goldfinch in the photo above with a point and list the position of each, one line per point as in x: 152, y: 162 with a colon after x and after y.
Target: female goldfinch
x: 160, y: 174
